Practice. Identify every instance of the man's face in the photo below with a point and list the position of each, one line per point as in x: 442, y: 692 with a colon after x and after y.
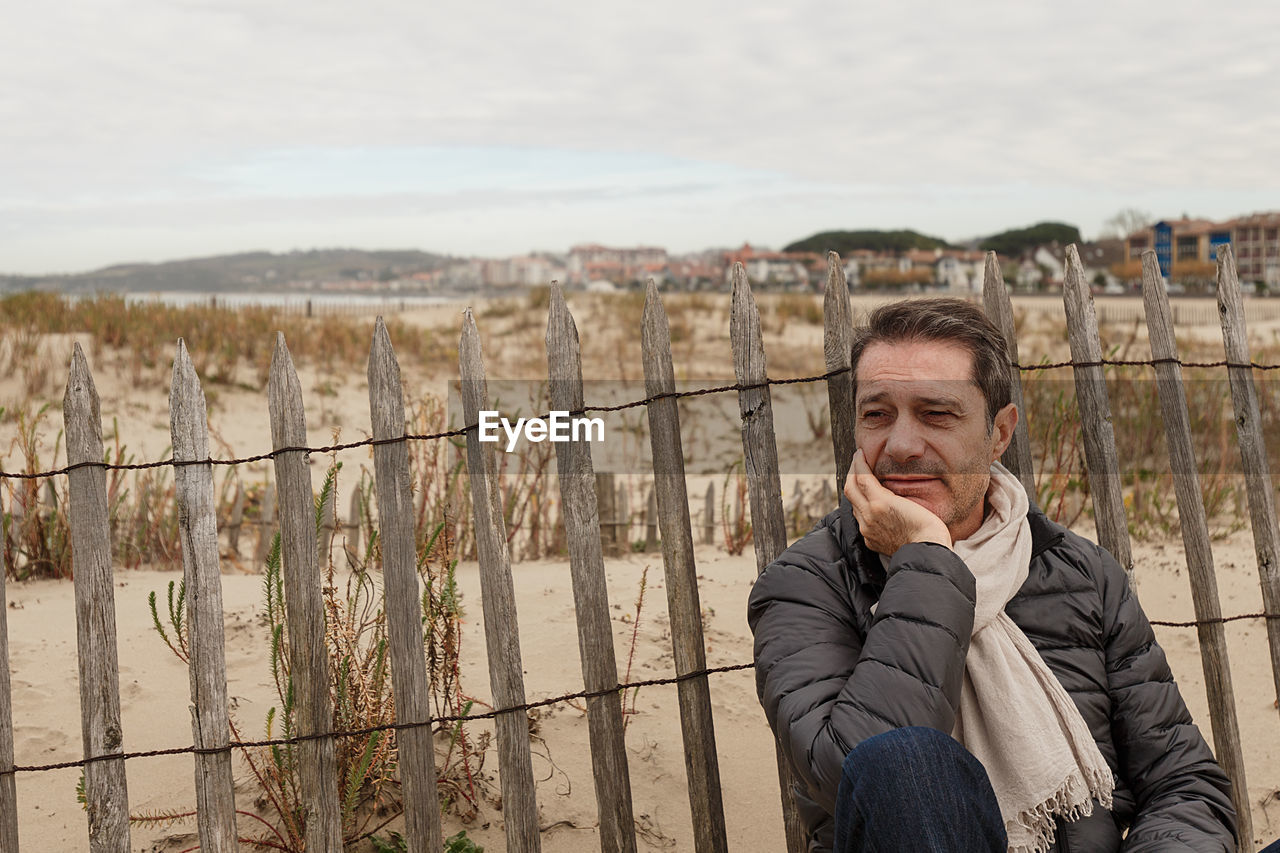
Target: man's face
x: 921, y: 423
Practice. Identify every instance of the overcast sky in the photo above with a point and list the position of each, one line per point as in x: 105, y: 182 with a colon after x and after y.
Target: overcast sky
x: 145, y: 130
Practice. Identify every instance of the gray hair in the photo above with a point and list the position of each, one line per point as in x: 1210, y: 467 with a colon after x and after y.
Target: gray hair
x: 944, y: 319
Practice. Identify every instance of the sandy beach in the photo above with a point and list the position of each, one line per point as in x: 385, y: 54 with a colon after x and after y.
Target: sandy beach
x: 154, y: 696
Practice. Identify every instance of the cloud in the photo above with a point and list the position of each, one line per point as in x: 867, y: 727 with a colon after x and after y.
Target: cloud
x: 151, y: 102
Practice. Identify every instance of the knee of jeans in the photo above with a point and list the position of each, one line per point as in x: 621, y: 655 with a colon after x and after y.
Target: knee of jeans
x: 900, y: 745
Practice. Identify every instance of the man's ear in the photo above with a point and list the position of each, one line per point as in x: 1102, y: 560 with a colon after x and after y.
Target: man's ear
x: 1002, y: 430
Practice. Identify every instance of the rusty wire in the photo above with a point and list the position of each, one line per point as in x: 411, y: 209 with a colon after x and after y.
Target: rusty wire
x: 671, y: 395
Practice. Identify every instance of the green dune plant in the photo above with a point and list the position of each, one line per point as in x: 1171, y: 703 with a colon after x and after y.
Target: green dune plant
x: 360, y: 689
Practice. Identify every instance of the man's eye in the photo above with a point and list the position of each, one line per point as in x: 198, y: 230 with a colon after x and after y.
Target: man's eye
x: 871, y: 416
x: 938, y: 414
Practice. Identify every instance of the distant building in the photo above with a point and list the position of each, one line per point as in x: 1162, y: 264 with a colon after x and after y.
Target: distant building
x: 521, y: 270
x: 702, y: 271
x: 960, y: 271
x: 955, y: 270
x: 865, y: 268
x: 1186, y: 249
x: 1256, y: 240
x: 593, y: 262
x: 775, y: 268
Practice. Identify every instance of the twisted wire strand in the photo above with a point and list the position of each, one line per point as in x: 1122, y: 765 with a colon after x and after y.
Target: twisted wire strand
x: 524, y: 707
x: 670, y: 395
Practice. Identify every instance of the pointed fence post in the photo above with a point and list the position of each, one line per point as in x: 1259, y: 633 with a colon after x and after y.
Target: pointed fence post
x: 501, y: 634
x: 837, y: 350
x: 1095, y: 415
x: 760, y: 452
x: 701, y: 762
x: 198, y: 533
x: 1195, y: 539
x: 8, y: 786
x: 304, y: 605
x: 401, y: 597
x: 995, y: 298
x: 591, y: 596
x: 106, y: 793
x: 1253, y: 449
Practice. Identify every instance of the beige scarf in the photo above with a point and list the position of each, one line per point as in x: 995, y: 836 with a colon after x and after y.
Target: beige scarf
x: 1014, y: 716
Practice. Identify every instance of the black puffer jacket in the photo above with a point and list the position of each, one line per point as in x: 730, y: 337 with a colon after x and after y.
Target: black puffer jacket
x: 831, y: 674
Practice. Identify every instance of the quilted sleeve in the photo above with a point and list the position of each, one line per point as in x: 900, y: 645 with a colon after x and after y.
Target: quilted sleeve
x: 824, y: 686
x: 1182, y: 796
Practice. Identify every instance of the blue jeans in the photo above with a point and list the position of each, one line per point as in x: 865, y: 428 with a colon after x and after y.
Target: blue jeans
x: 916, y: 789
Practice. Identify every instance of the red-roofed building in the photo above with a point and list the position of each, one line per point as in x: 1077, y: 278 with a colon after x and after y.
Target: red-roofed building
x: 776, y: 268
x: 593, y: 262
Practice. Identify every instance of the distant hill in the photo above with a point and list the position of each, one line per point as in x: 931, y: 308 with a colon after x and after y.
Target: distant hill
x: 246, y: 271
x: 878, y: 241
x: 1017, y: 240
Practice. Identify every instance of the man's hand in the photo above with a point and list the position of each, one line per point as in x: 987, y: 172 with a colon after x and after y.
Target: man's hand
x: 888, y: 521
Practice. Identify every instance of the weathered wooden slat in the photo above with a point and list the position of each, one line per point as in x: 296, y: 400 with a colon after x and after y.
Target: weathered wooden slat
x: 1095, y: 415
x: 622, y: 508
x: 106, y: 794
x: 837, y: 346
x: 501, y: 634
x: 8, y: 786
x: 701, y: 762
x: 236, y: 521
x: 759, y: 444
x: 198, y: 533
x: 760, y: 452
x: 607, y: 507
x: 1253, y: 449
x: 304, y: 605
x: 590, y: 595
x: 402, y: 597
x: 1195, y: 540
x: 266, y: 524
x: 995, y: 298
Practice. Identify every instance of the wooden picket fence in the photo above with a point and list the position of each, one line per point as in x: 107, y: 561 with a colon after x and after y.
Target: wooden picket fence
x: 583, y: 507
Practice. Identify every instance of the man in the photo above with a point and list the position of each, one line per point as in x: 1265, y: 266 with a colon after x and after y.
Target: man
x: 946, y: 668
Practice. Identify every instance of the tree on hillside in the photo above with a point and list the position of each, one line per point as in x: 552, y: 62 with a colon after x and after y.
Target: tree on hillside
x: 877, y: 241
x: 1125, y: 222
x: 1016, y: 241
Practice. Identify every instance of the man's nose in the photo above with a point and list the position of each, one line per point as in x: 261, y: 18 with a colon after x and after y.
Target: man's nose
x: 905, y: 441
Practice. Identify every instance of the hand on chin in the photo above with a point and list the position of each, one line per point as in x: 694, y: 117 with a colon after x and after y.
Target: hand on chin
x: 896, y: 512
